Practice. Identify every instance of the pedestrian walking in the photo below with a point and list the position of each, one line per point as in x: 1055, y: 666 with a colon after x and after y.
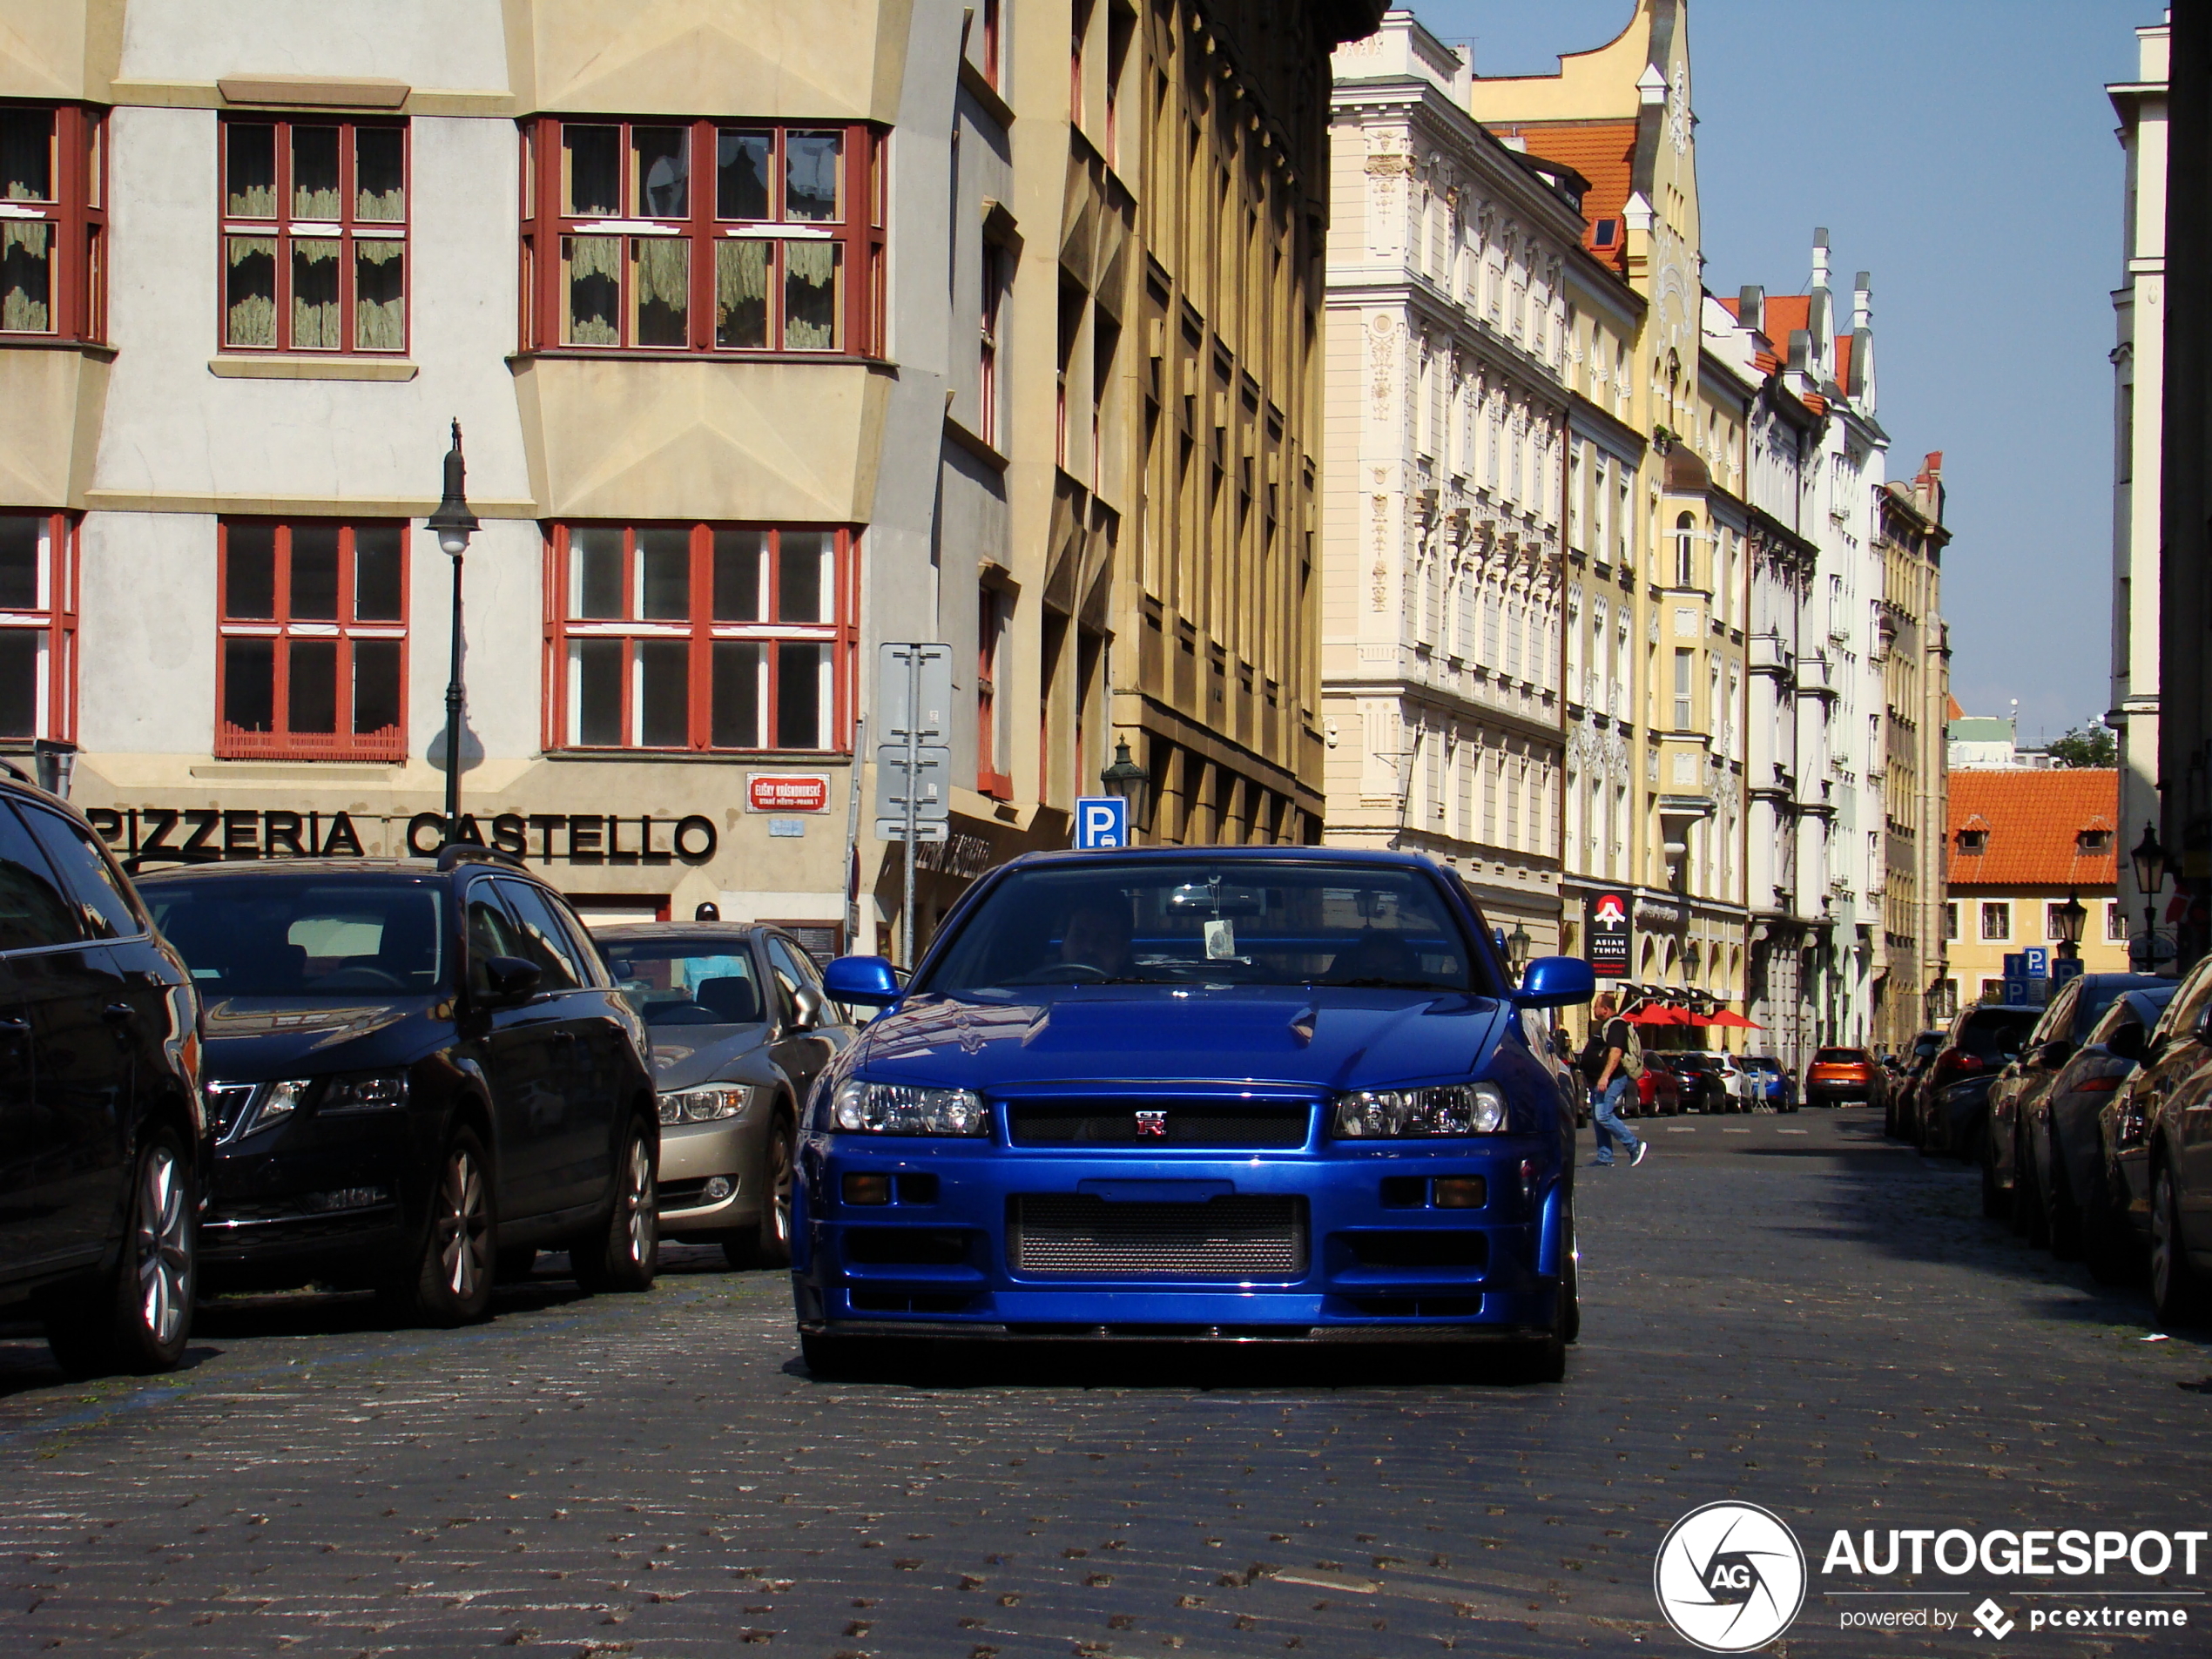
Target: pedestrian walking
x: 1610, y: 1065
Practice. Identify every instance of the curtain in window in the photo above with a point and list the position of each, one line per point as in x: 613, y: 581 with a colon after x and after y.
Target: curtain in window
x: 741, y: 295
x: 380, y: 296
x: 250, y: 291
x: 26, y: 278
x: 811, y: 296
x: 314, y: 294
x: 595, y: 287
x: 663, y: 290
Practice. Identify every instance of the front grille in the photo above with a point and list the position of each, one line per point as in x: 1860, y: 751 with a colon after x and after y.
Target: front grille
x: 1146, y: 1122
x: 1227, y: 1237
x: 226, y: 1104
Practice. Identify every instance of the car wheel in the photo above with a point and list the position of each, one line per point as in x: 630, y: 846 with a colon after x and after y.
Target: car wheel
x: 2108, y: 1244
x: 1544, y: 1360
x: 2061, y: 1219
x: 1996, y: 1203
x: 2176, y: 1292
x: 450, y: 1282
x: 768, y: 1244
x: 139, y: 1320
x: 623, y: 1252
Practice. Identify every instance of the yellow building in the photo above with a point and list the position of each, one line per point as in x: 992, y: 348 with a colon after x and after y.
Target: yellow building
x: 2023, y: 843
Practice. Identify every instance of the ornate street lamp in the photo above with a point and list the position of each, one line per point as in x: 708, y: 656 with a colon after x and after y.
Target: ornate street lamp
x: 1128, y: 780
x: 1517, y: 948
x: 2068, y: 919
x: 454, y: 524
x: 2149, y: 859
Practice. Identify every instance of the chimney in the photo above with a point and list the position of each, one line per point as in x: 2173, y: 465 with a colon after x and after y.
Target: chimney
x: 1820, y: 257
x: 1750, y: 307
x: 1800, y: 351
x: 1927, y: 489
x: 1862, y: 301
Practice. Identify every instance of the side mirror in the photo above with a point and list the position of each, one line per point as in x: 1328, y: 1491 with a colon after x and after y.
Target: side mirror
x: 809, y: 1006
x: 2054, y: 1054
x: 2127, y: 1043
x: 511, y: 977
x: 2203, y: 1029
x: 1555, y: 982
x: 869, y: 981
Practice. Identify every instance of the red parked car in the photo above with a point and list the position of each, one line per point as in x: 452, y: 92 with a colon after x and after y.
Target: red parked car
x: 1658, y: 1091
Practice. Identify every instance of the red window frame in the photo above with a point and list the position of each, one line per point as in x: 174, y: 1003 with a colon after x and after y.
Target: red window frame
x: 550, y: 232
x: 700, y: 633
x: 993, y: 611
x: 994, y: 281
x: 75, y: 215
x: 237, y: 743
x: 285, y: 228
x: 56, y: 620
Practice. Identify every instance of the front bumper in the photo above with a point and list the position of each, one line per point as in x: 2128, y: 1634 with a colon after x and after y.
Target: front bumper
x: 337, y: 1197
x: 1379, y: 1258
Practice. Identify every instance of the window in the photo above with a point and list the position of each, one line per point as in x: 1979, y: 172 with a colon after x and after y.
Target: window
x: 37, y: 626
x: 697, y: 236
x: 315, y: 235
x: 2115, y: 924
x: 993, y: 28
x: 1950, y: 922
x: 1685, y: 551
x: 992, y: 729
x: 34, y: 912
x: 699, y: 636
x: 1992, y: 990
x: 1684, y: 716
x: 1973, y: 841
x: 1997, y: 920
x: 313, y: 649
x: 103, y: 897
x: 2093, y: 843
x: 53, y: 182
x: 545, y: 941
x: 988, y: 356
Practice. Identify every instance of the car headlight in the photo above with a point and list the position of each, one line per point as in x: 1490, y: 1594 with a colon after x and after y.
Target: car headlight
x: 277, y: 1102
x: 902, y: 1109
x: 705, y: 1105
x: 369, y: 1091
x: 1450, y: 1109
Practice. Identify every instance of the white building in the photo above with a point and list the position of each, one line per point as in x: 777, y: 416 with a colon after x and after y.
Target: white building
x: 1446, y: 450
x: 2138, y: 361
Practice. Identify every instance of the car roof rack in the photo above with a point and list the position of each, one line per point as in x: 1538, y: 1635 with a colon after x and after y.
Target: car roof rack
x: 465, y: 852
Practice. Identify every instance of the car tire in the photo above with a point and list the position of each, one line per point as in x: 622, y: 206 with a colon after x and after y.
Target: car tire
x: 2176, y: 1288
x: 2109, y: 1246
x: 767, y: 1244
x: 1996, y: 1203
x: 139, y: 1319
x: 622, y: 1253
x: 1544, y: 1360
x: 449, y: 1281
x: 2062, y: 1216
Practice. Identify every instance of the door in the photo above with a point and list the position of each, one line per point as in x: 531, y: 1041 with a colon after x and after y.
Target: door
x: 526, y: 1061
x: 579, y: 1162
x: 77, y: 1002
x: 807, y: 1035
x: 22, y: 1131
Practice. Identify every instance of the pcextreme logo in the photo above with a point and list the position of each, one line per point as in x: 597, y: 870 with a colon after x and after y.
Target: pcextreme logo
x: 1730, y: 1577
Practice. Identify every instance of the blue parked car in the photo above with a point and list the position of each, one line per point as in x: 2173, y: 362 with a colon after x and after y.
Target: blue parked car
x: 1218, y: 1094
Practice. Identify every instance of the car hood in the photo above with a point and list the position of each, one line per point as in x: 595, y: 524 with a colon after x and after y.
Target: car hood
x: 1320, y: 1037
x: 252, y: 1038
x: 686, y: 1055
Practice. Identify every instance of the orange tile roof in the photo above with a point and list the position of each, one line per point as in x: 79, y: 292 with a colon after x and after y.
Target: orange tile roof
x: 1604, y: 153
x: 1842, y: 361
x: 1783, y: 313
x: 1951, y: 711
x: 2033, y: 820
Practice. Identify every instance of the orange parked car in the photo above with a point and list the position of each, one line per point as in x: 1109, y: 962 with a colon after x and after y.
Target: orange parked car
x: 1840, y: 1075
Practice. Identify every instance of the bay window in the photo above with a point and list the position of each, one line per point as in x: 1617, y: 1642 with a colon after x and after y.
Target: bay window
x: 699, y: 636
x: 315, y: 235
x: 37, y: 625
x: 702, y: 236
x: 53, y: 217
x: 313, y: 656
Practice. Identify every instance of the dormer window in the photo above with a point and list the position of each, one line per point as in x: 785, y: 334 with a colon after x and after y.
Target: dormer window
x: 1603, y: 232
x: 1973, y: 840
x: 2093, y: 842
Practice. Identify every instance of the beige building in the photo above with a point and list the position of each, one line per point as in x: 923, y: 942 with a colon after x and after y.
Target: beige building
x: 1620, y: 116
x: 1448, y: 349
x: 1915, y: 655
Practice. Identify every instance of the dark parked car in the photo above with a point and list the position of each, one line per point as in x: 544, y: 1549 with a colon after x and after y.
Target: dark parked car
x: 418, y: 1078
x: 2062, y: 1172
x: 1704, y: 1087
x: 2016, y: 1097
x: 2158, y: 1147
x: 1840, y: 1075
x: 1949, y: 1107
x: 103, y: 1144
x: 740, y: 1029
x: 1897, y: 1104
x: 1214, y: 1093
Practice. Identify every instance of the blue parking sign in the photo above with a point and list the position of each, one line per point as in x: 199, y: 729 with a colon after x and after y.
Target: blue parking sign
x: 2015, y: 965
x: 2064, y: 969
x: 2018, y: 993
x: 1102, y: 820
x: 2039, y: 961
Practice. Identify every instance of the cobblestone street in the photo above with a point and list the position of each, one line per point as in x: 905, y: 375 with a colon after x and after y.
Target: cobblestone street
x: 1780, y: 1309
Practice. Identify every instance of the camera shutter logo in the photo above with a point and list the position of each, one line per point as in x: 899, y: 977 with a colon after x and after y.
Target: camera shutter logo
x: 1730, y: 1577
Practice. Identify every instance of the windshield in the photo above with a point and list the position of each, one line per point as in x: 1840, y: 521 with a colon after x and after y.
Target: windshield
x: 1994, y: 1033
x: 700, y: 979
x: 1839, y: 1057
x: 273, y: 935
x: 1212, y: 922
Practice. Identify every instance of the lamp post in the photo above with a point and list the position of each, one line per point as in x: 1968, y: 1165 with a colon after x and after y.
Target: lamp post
x: 1126, y: 778
x: 1517, y: 948
x: 2068, y: 919
x: 2149, y: 859
x: 454, y: 524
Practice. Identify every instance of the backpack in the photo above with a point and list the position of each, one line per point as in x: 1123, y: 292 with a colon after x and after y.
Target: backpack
x: 1632, y: 1056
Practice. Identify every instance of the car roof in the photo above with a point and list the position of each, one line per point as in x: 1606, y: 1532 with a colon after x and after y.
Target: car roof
x: 391, y: 869
x: 1301, y: 854
x: 733, y: 930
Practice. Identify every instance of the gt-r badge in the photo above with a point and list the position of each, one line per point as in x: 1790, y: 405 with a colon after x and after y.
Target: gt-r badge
x: 1151, y: 1126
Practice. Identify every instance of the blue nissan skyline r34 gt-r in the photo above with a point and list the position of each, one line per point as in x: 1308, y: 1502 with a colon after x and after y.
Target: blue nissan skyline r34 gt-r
x: 1217, y: 1094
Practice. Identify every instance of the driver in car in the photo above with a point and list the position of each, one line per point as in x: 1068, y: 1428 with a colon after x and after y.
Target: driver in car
x: 1098, y: 936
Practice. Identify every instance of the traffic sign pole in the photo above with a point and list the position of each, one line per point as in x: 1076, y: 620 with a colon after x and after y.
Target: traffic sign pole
x: 914, y: 745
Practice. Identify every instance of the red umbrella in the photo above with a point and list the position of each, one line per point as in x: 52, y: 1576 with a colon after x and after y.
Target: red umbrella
x: 1730, y: 1017
x: 1658, y: 1014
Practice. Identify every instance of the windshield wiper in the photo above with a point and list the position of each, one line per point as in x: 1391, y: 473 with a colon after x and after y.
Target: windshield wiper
x: 1371, y: 983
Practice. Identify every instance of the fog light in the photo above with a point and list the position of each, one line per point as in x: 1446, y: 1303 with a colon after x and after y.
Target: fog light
x: 866, y: 1189
x: 717, y: 1189
x: 1461, y: 1192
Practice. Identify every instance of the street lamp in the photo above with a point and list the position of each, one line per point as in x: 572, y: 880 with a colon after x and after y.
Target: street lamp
x: 1517, y: 948
x: 2149, y: 859
x: 2068, y: 919
x: 453, y: 524
x: 1128, y: 780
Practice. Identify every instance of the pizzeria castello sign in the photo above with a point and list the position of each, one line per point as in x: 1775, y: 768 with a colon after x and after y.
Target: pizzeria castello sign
x: 148, y: 835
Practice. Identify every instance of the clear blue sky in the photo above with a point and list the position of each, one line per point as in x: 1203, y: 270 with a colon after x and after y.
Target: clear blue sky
x: 1962, y: 152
